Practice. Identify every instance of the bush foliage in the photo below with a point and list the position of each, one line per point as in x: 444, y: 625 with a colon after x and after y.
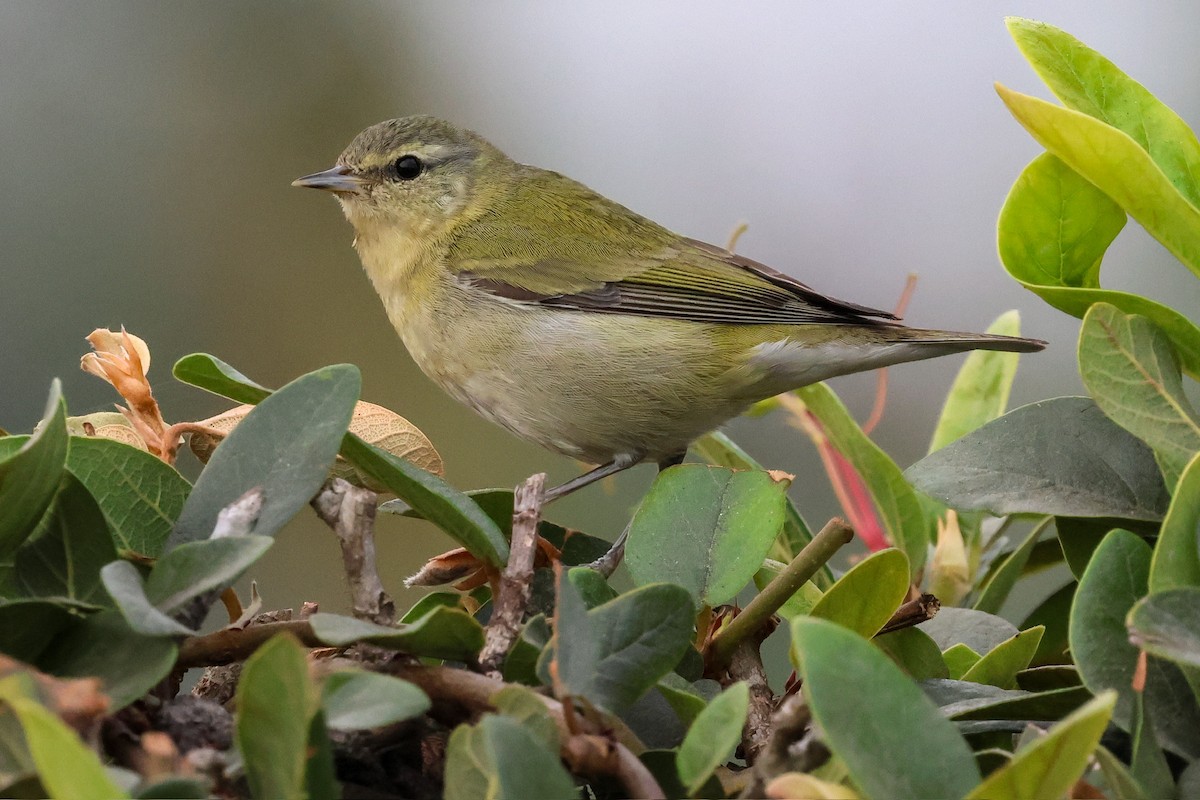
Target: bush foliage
x: 536, y: 677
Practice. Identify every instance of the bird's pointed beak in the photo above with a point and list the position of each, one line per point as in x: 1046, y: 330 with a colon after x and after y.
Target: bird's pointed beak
x: 339, y: 180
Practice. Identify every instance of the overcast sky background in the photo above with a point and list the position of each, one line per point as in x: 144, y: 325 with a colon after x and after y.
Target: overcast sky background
x: 148, y: 148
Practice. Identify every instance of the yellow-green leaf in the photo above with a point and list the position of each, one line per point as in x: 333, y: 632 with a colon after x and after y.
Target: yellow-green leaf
x: 865, y: 598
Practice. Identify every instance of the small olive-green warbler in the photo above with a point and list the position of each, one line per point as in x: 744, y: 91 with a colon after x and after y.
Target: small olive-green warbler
x: 574, y: 322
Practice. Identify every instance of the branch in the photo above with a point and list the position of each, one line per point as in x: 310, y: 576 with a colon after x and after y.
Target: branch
x: 597, y: 755
x: 516, y: 582
x: 235, y: 519
x: 914, y: 612
x: 832, y: 537
x: 232, y: 644
x: 746, y: 665
x: 350, y: 512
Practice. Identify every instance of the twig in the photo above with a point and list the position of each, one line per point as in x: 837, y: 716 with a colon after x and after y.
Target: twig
x: 790, y: 748
x: 597, y: 755
x: 806, y: 563
x: 233, y: 644
x: 516, y: 582
x: 350, y: 512
x: 746, y: 665
x: 914, y: 612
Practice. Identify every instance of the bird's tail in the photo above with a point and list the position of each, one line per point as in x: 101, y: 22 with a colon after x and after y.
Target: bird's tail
x: 957, y: 341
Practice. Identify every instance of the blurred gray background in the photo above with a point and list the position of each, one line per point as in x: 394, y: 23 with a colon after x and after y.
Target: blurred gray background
x: 148, y: 148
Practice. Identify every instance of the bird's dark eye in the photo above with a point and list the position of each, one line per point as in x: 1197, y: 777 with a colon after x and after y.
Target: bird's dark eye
x: 408, y: 167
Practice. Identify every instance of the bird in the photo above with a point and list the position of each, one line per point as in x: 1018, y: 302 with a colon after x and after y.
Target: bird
x: 578, y: 324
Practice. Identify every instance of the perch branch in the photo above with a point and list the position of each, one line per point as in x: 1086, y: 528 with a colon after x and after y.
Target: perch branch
x: 350, y: 512
x: 914, y: 612
x: 233, y: 644
x: 832, y: 537
x: 516, y: 582
x: 746, y: 664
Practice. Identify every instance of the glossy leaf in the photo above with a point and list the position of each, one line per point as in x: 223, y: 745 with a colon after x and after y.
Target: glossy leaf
x: 448, y: 633
x: 1054, y: 228
x: 1167, y: 624
x: 141, y: 497
x: 1129, y: 367
x: 30, y: 477
x: 1050, y: 765
x: 286, y: 446
x: 501, y: 760
x: 357, y: 700
x: 959, y: 658
x: 1054, y: 615
x: 1118, y: 166
x: 980, y: 390
x: 1114, y: 581
x: 613, y: 654
x: 214, y: 375
x: 719, y: 450
x: 68, y: 769
x: 713, y: 736
x: 999, y: 667
x: 72, y: 545
x: 103, y: 646
x: 275, y: 706
x: 1086, y: 81
x: 432, y: 498
x: 1176, y: 561
x: 867, y: 596
x: 706, y: 529
x: 197, y: 567
x: 1116, y: 775
x: 1061, y: 456
x: 890, y: 757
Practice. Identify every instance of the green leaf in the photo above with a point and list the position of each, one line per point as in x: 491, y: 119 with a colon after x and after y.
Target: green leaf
x: 1130, y: 369
x: 198, y: 567
x: 1050, y: 765
x: 976, y: 629
x: 706, y: 529
x: 529, y: 708
x: 1114, y: 581
x: 141, y: 497
x: 915, y: 653
x: 1148, y: 763
x: 356, y: 699
x: 320, y: 774
x: 1118, y: 166
x: 286, y: 446
x: 591, y: 585
x: 429, y: 602
x: 103, y: 646
x: 1054, y: 614
x: 959, y: 658
x: 1176, y: 561
x: 214, y: 375
x: 1086, y: 81
x: 1000, y: 666
x: 1167, y: 624
x: 27, y: 627
x: 1061, y: 456
x: 971, y: 702
x: 889, y: 758
x: 68, y: 768
x: 1005, y: 576
x: 981, y: 388
x: 447, y: 633
x: 276, y: 702
x: 713, y: 736
x: 127, y: 589
x: 30, y: 477
x: 498, y: 759
x: 72, y: 545
x: 719, y: 450
x: 434, y: 499
x: 900, y: 510
x: 1053, y: 231
x: 614, y: 654
x: 867, y: 596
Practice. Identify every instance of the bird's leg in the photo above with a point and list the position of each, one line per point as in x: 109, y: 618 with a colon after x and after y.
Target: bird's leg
x: 621, y: 462
x: 607, y: 564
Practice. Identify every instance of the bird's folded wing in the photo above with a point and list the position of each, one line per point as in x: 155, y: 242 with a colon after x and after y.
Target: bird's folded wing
x: 612, y: 260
